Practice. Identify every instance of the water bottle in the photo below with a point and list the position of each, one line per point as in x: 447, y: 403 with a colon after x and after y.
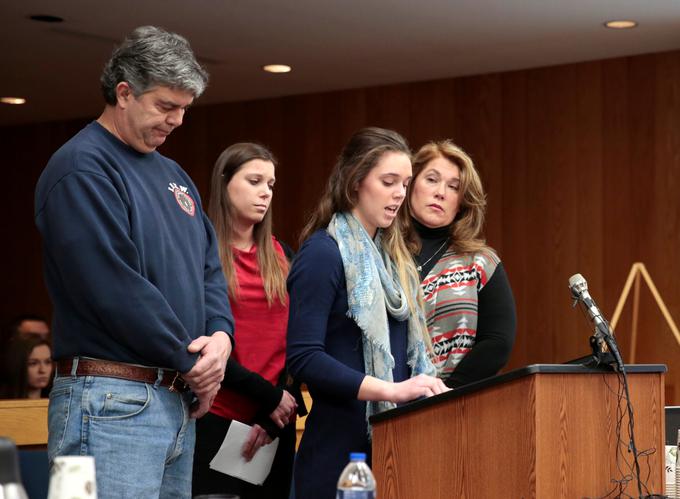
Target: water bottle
x: 356, y: 480
x: 10, y: 477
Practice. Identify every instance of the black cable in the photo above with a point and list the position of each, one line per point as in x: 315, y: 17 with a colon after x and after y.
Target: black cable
x: 623, y: 392
x: 626, y: 478
x: 646, y: 454
x: 620, y: 485
x: 611, y: 343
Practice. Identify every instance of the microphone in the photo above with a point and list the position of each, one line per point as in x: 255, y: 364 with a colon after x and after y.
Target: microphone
x: 603, y: 339
x: 579, y: 291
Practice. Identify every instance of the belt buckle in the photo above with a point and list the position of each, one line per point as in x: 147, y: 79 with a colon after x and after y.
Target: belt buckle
x: 178, y: 384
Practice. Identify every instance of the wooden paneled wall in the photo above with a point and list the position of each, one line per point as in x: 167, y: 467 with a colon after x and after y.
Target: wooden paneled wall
x: 581, y: 163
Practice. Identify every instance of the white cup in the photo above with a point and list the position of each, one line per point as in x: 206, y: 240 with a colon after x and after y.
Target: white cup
x: 73, y: 477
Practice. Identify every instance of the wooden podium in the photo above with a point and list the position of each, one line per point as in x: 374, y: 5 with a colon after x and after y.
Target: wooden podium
x: 543, y: 431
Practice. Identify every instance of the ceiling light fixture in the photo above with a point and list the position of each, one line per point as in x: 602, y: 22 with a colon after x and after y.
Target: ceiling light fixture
x: 277, y: 68
x: 621, y: 24
x: 13, y: 100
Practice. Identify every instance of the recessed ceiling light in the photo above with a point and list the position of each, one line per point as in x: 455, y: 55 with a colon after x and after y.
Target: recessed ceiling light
x: 277, y: 68
x: 12, y: 100
x: 620, y: 24
x: 46, y: 18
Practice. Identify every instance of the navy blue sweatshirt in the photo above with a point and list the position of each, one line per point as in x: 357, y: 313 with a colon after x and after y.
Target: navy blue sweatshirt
x: 130, y: 258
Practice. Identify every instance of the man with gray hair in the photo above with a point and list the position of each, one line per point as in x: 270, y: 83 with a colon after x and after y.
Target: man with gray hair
x: 142, y: 325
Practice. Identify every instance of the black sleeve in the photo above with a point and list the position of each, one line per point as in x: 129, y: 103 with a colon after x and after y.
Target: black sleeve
x: 496, y: 326
x: 252, y: 385
x: 268, y: 425
x: 293, y: 387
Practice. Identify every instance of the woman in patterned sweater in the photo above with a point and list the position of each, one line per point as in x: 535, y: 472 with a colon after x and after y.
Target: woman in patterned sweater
x: 469, y: 306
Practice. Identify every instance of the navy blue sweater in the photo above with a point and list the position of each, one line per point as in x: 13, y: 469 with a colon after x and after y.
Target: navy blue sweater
x: 325, y: 352
x: 130, y: 258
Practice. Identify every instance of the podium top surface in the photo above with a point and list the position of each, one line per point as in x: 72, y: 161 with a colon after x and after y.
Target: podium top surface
x: 510, y: 376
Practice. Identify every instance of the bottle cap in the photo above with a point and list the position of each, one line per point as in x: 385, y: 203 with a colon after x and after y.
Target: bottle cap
x: 357, y: 456
x: 9, y: 462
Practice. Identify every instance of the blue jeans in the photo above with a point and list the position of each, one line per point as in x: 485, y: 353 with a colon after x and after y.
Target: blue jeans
x: 140, y: 435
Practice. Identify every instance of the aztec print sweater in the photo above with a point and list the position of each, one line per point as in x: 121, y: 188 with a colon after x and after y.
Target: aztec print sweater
x: 469, y: 308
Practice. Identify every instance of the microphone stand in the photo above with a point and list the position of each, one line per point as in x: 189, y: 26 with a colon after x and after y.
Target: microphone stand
x: 602, y: 352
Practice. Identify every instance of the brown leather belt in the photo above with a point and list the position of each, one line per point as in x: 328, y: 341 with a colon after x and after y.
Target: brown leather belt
x: 109, y: 369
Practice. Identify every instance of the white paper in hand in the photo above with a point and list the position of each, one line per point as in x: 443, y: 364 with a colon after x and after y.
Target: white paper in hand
x: 229, y: 460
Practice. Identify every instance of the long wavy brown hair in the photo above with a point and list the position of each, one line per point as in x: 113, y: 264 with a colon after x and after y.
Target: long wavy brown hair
x: 273, y: 266
x: 361, y: 154
x: 14, y: 379
x: 467, y: 227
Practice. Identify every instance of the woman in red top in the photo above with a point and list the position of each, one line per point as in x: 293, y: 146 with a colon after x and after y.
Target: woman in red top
x: 255, y: 266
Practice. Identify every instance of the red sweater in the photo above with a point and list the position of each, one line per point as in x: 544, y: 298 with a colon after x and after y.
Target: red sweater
x: 260, y: 333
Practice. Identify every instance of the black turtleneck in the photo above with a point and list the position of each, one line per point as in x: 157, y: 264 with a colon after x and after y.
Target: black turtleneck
x: 434, y: 244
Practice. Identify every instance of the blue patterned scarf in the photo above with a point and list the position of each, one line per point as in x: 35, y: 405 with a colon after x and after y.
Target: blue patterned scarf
x: 373, y: 291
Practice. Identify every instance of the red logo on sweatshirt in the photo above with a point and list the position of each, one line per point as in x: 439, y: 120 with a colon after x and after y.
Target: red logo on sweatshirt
x: 183, y: 198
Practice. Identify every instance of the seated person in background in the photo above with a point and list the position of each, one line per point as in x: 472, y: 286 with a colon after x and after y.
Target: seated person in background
x: 27, y: 369
x: 23, y: 325
x: 469, y: 305
x: 28, y: 325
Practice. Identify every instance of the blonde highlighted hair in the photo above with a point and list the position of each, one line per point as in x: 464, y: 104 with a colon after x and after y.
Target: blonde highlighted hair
x: 467, y: 228
x: 272, y: 265
x: 361, y: 154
